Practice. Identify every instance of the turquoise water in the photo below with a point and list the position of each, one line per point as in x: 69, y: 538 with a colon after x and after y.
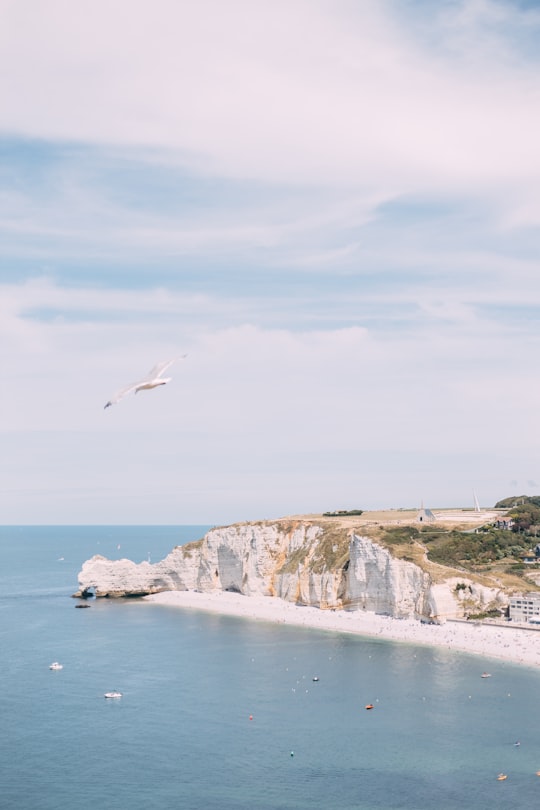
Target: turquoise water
x: 182, y: 737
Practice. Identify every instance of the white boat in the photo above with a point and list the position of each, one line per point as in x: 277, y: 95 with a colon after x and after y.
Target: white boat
x: 485, y: 675
x: 113, y: 694
x: 56, y: 665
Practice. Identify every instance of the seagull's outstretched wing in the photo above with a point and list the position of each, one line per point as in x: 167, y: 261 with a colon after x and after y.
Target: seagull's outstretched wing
x: 122, y: 393
x: 162, y: 367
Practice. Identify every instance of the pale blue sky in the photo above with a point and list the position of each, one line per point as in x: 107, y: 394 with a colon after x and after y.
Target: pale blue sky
x: 332, y: 206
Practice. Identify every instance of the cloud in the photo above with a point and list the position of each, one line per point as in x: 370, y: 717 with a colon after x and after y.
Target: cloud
x: 324, y: 382
x: 311, y: 93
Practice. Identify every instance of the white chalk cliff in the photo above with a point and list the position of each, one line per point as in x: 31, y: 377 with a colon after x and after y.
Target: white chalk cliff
x: 299, y: 561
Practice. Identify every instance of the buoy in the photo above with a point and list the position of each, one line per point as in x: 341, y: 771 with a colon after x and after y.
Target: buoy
x: 292, y: 753
x: 251, y: 717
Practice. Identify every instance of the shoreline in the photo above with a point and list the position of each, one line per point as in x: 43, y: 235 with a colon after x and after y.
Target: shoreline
x: 513, y: 644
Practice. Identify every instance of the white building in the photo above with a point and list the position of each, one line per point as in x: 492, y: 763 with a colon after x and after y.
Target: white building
x: 525, y: 608
x: 425, y: 515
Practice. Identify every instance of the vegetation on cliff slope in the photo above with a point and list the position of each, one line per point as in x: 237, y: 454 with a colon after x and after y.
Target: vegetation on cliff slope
x: 328, y: 551
x: 525, y: 512
x: 463, y: 549
x: 471, y: 549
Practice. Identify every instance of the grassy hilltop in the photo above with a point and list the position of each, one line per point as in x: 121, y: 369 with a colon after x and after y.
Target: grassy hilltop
x: 457, y: 541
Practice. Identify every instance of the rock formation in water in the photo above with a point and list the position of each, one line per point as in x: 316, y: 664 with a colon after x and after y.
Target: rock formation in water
x: 299, y: 561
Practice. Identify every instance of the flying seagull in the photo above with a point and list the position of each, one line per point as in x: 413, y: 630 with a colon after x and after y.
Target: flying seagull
x: 152, y: 380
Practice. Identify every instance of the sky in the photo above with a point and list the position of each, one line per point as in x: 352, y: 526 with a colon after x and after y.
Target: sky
x: 331, y: 206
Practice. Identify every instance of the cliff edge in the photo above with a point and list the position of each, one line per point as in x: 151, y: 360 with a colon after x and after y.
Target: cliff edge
x: 306, y: 562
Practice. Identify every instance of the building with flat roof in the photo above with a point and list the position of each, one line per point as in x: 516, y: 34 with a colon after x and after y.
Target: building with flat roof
x: 525, y: 608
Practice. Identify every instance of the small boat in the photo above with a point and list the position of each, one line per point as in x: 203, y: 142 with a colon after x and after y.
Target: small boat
x: 501, y: 777
x: 56, y: 665
x: 369, y: 706
x: 485, y: 675
x: 82, y: 606
x: 113, y: 694
x: 315, y: 678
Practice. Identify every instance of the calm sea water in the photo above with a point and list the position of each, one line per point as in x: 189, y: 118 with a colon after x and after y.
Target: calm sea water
x: 182, y: 737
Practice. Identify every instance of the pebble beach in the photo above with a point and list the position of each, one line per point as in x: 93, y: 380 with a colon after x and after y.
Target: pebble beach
x: 512, y: 643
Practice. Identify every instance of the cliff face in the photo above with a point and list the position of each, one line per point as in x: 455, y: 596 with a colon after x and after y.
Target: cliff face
x: 298, y: 561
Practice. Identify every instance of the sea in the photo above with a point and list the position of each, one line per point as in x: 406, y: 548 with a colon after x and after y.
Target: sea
x: 223, y: 713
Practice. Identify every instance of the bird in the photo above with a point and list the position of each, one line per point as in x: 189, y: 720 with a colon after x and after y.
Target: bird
x: 152, y: 380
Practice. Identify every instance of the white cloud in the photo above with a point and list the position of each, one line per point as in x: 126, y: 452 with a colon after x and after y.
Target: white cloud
x: 310, y: 93
x: 239, y: 374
